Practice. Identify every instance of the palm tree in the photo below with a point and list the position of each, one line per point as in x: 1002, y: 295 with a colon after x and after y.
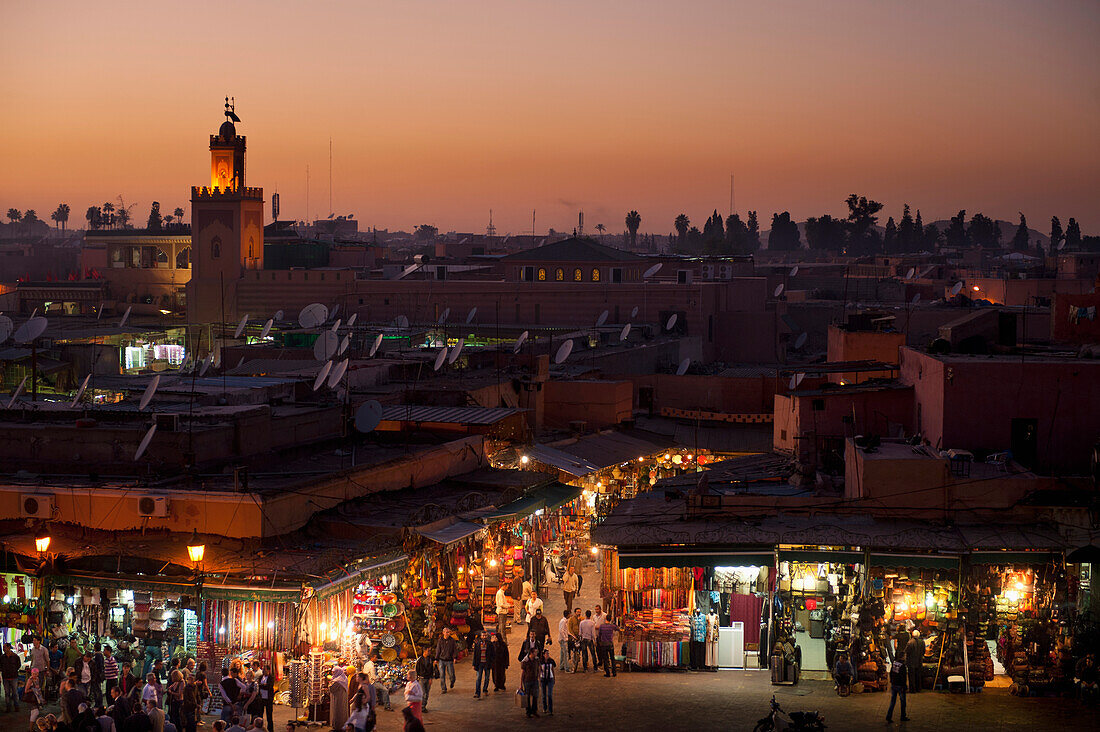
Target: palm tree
x: 108, y: 210
x: 94, y: 216
x: 178, y: 213
x: 168, y: 221
x: 14, y: 215
x: 633, y: 221
x: 601, y: 228
x: 61, y: 215
x: 682, y: 224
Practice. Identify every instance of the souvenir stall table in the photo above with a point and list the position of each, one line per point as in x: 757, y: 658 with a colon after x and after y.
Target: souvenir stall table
x: 19, y: 616
x: 652, y: 607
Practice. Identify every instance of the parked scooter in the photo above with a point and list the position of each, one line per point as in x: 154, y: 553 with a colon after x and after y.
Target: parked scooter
x: 780, y: 721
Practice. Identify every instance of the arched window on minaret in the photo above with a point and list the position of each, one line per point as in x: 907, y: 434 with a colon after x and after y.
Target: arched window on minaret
x: 216, y: 247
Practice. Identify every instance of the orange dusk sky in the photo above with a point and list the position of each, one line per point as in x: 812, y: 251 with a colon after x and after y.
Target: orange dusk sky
x: 441, y: 110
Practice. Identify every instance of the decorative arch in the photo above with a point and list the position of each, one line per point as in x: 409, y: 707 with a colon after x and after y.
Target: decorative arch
x: 559, y: 275
x: 595, y: 274
x: 183, y: 258
x: 542, y: 274
x: 216, y: 247
x: 578, y: 276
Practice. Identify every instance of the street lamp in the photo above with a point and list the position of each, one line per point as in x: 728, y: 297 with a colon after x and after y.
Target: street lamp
x: 195, y: 550
x: 42, y: 541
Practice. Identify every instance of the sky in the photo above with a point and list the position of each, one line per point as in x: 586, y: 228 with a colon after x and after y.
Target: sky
x: 440, y: 111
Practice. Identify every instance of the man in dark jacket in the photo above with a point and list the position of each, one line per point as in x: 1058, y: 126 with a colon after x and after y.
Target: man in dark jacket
x: 445, y: 658
x: 120, y: 707
x: 515, y: 591
x: 10, y: 664
x: 540, y: 626
x: 425, y: 672
x: 482, y: 656
x: 898, y: 681
x: 914, y: 661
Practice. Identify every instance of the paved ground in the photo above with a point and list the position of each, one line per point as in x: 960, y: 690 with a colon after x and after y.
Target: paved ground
x: 698, y: 701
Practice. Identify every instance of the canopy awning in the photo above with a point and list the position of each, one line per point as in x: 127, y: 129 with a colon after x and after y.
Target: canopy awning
x: 251, y: 594
x: 1039, y: 558
x: 823, y: 555
x: 920, y: 561
x: 644, y: 559
x: 358, y: 574
x: 444, y: 533
x: 546, y: 497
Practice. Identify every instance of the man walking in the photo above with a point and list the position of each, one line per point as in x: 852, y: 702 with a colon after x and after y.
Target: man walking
x: 588, y: 640
x: 914, y: 661
x: 482, y: 657
x: 515, y: 591
x: 110, y: 670
x: 529, y: 665
x: 569, y: 587
x: 898, y: 679
x: 445, y: 658
x: 9, y: 672
x: 381, y: 691
x: 425, y: 672
x: 605, y: 642
x: 540, y: 626
x: 564, y: 643
x: 502, y: 611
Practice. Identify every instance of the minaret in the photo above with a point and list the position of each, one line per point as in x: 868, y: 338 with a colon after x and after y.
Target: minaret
x: 227, y: 231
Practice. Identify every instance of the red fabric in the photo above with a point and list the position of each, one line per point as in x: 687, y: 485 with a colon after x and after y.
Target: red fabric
x: 746, y: 609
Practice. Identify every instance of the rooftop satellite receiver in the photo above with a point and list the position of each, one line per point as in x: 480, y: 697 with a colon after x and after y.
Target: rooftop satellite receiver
x: 80, y: 391
x: 352, y: 319
x: 368, y: 415
x: 278, y: 315
x: 375, y: 345
x: 206, y: 364
x: 402, y: 322
x: 651, y: 271
x: 312, y: 315
x: 956, y: 289
x: 344, y: 345
x: 915, y: 300
x: 911, y: 273
x: 563, y: 351
x: 240, y: 326
x: 792, y: 382
x: 634, y: 312
x: 799, y: 377
x: 794, y: 271
x: 6, y: 326
x: 326, y: 345
x: 453, y: 356
x: 145, y: 442
x: 443, y: 316
x: 778, y: 290
x: 322, y: 375
x: 625, y: 332
x: 440, y: 358
x: 99, y: 312
x: 800, y: 340
x: 125, y: 316
x: 333, y: 310
x: 18, y: 390
x: 266, y: 329
x: 149, y: 392
x: 519, y: 342
x: 471, y: 315
x: 602, y: 318
x: 336, y: 324
x: 671, y: 322
x: 683, y: 367
x: 30, y: 330
x: 337, y: 374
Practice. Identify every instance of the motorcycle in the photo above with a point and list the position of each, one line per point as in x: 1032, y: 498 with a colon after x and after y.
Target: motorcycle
x: 780, y: 721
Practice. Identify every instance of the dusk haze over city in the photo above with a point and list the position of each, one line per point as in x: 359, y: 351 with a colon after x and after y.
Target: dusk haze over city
x: 564, y: 365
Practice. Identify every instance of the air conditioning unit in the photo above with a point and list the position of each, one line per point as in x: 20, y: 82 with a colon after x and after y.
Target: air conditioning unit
x: 708, y: 271
x: 155, y: 506
x: 725, y: 271
x: 36, y: 505
x: 683, y: 276
x: 168, y: 422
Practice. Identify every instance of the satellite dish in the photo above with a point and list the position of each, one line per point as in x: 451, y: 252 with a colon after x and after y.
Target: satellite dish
x: 312, y: 315
x: 218, y: 358
x: 625, y: 332
x: 916, y: 299
x: 149, y: 392
x: 683, y: 367
x: 205, y: 364
x: 602, y: 319
x: 911, y: 273
x: 266, y: 328
x: 402, y: 322
x: 956, y: 289
x: 440, y: 358
x: 99, y: 312
x: 278, y: 315
x: 792, y: 383
x: 240, y: 363
x: 778, y: 290
x: 800, y: 340
x: 671, y: 323
x: 336, y: 325
x: 634, y: 311
x: 798, y: 378
x: 335, y: 309
x: 375, y: 345
x: 30, y: 330
x: 1061, y: 245
x: 471, y: 315
x: 322, y: 375
x: 563, y: 351
x: 352, y: 319
x: 444, y: 315
x: 519, y: 342
x: 368, y: 416
x: 337, y: 374
x: 5, y: 327
x: 456, y: 350
x: 240, y: 326
x: 80, y: 391
x: 325, y: 346
x: 125, y: 316
x: 651, y: 271
x: 794, y: 271
x: 145, y: 442
x: 17, y: 392
x: 344, y: 345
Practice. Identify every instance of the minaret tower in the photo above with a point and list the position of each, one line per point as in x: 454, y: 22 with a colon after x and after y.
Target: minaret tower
x: 227, y: 231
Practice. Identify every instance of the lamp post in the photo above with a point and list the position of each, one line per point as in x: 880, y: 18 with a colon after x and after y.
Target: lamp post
x: 42, y: 541
x: 196, y: 550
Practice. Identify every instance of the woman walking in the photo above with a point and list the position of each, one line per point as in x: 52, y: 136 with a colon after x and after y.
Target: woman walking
x: 500, y: 663
x: 338, y: 699
x: 546, y: 682
x: 33, y: 694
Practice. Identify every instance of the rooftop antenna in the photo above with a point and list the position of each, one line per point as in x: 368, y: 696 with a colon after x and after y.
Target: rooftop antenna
x: 330, y: 177
x: 307, y: 194
x: 532, y: 222
x: 731, y: 195
x: 490, y: 230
